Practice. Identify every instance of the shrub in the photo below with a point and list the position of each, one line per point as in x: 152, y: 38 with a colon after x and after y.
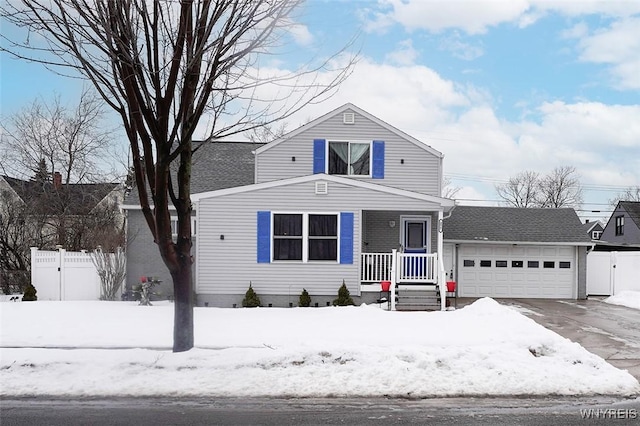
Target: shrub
x: 344, y: 298
x: 251, y: 299
x: 30, y: 294
x: 305, y: 299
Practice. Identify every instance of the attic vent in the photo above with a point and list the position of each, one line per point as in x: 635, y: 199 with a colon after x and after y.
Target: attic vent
x: 349, y: 118
x: 322, y: 188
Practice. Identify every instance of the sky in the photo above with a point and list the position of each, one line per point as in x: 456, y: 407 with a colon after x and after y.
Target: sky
x: 499, y: 87
x: 483, y: 349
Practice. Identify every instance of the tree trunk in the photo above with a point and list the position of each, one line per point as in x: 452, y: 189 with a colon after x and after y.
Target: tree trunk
x: 183, y: 305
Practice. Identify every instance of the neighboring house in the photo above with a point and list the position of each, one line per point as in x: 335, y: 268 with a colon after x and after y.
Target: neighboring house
x: 516, y: 252
x: 593, y: 229
x: 623, y: 227
x: 46, y: 214
x: 347, y: 198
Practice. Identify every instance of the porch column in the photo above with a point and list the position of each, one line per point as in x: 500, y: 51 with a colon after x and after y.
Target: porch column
x: 441, y: 274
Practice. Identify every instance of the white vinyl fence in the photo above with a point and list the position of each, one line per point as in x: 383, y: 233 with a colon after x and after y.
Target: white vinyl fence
x: 609, y: 273
x: 64, y: 275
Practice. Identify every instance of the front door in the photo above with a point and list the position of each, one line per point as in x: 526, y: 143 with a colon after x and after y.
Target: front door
x: 415, y: 234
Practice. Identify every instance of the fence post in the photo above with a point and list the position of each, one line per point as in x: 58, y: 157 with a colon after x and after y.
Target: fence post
x: 34, y: 265
x: 61, y: 268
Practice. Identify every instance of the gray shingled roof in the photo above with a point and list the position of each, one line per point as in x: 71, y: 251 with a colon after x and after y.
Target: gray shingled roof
x: 633, y: 210
x: 508, y: 224
x: 217, y: 165
x: 74, y: 199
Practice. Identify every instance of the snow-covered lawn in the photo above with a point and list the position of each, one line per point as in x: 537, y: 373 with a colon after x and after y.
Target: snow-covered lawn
x: 630, y: 299
x: 124, y: 349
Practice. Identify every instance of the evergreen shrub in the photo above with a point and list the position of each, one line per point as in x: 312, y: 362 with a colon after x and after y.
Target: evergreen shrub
x: 251, y: 299
x: 344, y: 298
x: 305, y: 299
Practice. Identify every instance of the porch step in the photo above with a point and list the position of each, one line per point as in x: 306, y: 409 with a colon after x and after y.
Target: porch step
x: 417, y: 298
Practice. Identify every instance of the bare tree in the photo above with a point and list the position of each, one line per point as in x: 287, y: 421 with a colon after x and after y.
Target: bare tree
x: 266, y: 133
x: 112, y: 268
x: 166, y: 68
x: 521, y: 190
x: 631, y: 193
x: 448, y: 190
x: 560, y: 188
x: 57, y: 138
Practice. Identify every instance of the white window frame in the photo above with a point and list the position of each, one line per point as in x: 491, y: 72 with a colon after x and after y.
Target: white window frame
x: 305, y: 236
x: 174, y: 226
x: 355, y: 141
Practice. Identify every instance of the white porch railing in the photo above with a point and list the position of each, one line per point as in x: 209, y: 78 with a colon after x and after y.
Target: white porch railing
x: 410, y: 267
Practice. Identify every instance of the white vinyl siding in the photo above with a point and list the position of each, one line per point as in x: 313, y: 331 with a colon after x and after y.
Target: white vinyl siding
x: 407, y: 166
x: 226, y: 265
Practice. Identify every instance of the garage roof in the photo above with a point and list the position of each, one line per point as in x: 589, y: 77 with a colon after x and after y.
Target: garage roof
x: 514, y: 225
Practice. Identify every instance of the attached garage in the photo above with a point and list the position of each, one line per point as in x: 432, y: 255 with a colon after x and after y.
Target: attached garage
x: 516, y: 253
x: 516, y: 271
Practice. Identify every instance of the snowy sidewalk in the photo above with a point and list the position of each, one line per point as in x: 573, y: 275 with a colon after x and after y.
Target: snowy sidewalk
x: 480, y: 350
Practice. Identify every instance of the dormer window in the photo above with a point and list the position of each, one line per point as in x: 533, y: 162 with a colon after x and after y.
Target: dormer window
x: 349, y: 158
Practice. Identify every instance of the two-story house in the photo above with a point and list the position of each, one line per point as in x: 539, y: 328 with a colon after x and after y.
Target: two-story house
x: 330, y: 203
x: 349, y: 198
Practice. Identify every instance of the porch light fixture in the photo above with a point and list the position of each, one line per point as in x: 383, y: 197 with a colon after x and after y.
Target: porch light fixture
x: 392, y: 224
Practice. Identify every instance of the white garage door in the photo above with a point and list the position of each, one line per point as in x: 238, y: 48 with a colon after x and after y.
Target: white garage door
x: 516, y: 271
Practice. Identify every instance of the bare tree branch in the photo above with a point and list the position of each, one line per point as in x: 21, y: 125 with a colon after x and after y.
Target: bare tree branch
x: 171, y: 69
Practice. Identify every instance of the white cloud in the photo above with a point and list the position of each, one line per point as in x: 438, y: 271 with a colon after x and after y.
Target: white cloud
x: 460, y: 49
x: 301, y: 34
x: 476, y: 16
x: 619, y: 47
x: 404, y: 54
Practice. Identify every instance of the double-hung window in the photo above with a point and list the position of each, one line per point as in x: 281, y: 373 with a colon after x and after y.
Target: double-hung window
x: 305, y: 237
x: 287, y: 237
x: 619, y: 225
x: 350, y: 158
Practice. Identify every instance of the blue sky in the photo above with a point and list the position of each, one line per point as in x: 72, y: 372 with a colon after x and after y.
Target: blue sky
x: 497, y: 86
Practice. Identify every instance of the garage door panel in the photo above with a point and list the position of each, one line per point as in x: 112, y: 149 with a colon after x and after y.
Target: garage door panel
x: 516, y: 271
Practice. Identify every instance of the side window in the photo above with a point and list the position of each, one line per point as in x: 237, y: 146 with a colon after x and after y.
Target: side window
x: 287, y: 237
x: 323, y: 237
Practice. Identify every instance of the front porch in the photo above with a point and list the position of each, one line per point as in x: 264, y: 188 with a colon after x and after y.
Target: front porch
x: 414, y: 279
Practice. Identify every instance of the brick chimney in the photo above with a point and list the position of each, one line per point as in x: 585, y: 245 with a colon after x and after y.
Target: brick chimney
x: 57, y: 180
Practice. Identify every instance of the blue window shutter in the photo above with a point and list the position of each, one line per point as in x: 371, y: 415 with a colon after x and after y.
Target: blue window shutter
x: 346, y: 237
x: 319, y: 149
x: 377, y: 171
x: 264, y: 237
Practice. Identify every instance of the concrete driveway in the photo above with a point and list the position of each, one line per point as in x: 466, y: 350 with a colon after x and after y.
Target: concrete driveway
x: 610, y: 331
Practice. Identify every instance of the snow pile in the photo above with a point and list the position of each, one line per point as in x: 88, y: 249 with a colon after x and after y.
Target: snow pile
x: 124, y: 349
x: 630, y: 299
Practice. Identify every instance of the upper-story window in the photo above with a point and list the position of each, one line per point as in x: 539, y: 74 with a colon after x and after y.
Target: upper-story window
x: 595, y: 235
x: 619, y: 225
x: 349, y: 158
